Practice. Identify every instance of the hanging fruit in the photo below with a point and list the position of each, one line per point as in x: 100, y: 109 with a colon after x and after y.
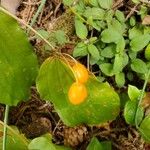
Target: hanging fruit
x: 77, y: 93
x: 80, y: 72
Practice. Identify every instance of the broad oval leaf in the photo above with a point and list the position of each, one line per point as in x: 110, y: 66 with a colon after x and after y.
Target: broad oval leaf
x: 139, y: 66
x: 139, y: 42
x: 107, y: 69
x: 106, y: 4
x: 130, y: 111
x: 81, y: 29
x: 110, y: 35
x: 133, y: 93
x: 120, y: 79
x: 94, y: 51
x: 80, y: 50
x: 95, y: 13
x: 18, y: 63
x: 53, y: 83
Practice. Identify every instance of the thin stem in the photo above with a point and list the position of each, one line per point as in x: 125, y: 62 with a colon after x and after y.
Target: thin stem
x: 5, y: 127
x: 22, y: 22
x: 22, y: 138
x: 37, y: 14
x: 141, y: 97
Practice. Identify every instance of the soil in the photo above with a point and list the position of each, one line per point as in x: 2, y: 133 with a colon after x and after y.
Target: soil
x: 36, y: 116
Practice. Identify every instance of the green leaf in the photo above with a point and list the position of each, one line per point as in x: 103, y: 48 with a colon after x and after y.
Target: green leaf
x: 132, y: 54
x: 118, y: 64
x: 96, y: 24
x: 53, y: 83
x: 60, y: 37
x: 81, y: 29
x: 15, y: 140
x: 120, y: 27
x: 138, y: 43
x: 130, y: 111
x: 120, y: 79
x: 18, y: 63
x: 94, y: 12
x: 139, y: 66
x: 136, y: 1
x: 135, y: 32
x: 132, y: 21
x: 109, y: 51
x: 80, y: 50
x: 145, y: 129
x: 96, y: 145
x: 93, y: 2
x: 107, y: 69
x: 133, y: 93
x: 120, y: 46
x: 125, y: 60
x: 44, y: 33
x: 94, y: 51
x: 45, y: 142
x: 106, y: 4
x: 110, y: 35
x: 68, y: 2
x: 147, y: 52
x: 120, y: 16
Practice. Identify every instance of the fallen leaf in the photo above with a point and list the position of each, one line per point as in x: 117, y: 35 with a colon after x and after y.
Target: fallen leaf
x: 146, y: 20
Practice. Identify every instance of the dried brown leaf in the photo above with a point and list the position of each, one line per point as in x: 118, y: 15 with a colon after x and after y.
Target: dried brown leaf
x: 146, y: 20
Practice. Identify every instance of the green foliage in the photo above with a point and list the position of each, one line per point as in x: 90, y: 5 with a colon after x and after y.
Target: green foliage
x: 56, y: 38
x: 96, y: 145
x: 120, y: 42
x: 107, y: 4
x: 147, y: 52
x: 145, y: 129
x: 130, y: 111
x: 18, y: 64
x: 45, y: 142
x: 101, y: 105
x: 81, y: 29
x: 131, y: 106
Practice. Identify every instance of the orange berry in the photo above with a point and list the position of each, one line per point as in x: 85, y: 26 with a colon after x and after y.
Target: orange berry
x: 77, y: 93
x: 80, y: 72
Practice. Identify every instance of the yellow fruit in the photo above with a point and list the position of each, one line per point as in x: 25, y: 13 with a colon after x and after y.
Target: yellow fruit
x: 77, y: 93
x: 81, y: 73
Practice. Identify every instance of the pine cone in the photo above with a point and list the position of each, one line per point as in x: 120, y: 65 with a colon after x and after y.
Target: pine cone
x: 75, y: 136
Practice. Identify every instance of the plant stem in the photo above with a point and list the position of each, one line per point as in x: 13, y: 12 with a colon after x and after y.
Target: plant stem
x: 141, y: 97
x: 37, y: 14
x: 5, y: 127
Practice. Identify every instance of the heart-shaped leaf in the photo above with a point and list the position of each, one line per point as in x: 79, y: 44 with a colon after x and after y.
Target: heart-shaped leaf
x: 53, y: 83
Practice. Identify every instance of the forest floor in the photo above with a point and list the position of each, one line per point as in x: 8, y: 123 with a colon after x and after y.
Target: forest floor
x: 36, y: 117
